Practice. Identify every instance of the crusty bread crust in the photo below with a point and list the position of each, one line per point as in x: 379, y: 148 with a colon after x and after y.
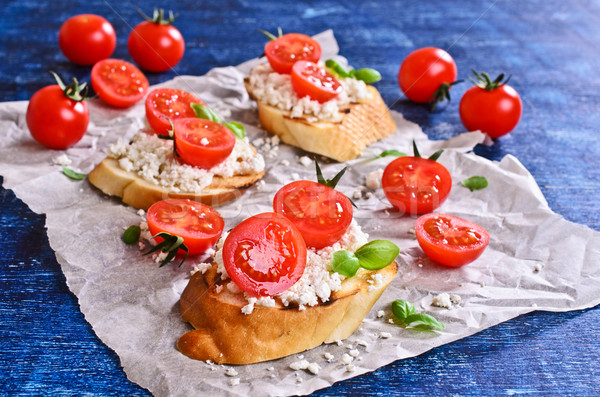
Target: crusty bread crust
x: 223, y: 334
x: 111, y: 179
x: 360, y: 125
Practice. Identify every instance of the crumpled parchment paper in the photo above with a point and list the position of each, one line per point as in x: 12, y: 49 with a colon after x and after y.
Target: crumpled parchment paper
x: 536, y: 260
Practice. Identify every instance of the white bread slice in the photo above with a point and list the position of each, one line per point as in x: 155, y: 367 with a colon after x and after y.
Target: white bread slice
x: 225, y: 335
x: 111, y: 179
x: 343, y: 139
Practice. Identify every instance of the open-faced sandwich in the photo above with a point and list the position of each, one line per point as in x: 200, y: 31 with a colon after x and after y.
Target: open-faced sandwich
x: 286, y: 281
x: 318, y: 106
x: 187, y: 153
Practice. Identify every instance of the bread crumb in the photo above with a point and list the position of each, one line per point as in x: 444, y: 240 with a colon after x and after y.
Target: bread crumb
x: 339, y: 342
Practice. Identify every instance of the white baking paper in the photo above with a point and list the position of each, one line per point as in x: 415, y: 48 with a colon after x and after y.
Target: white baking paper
x: 536, y: 260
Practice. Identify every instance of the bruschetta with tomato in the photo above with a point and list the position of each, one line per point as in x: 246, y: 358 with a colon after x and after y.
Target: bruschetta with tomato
x: 285, y: 281
x: 318, y: 106
x: 188, y: 152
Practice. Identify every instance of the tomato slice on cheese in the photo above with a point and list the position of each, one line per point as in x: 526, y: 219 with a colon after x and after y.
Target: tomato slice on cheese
x: 321, y: 214
x: 309, y: 79
x: 199, y: 225
x: 202, y: 143
x: 164, y: 104
x: 450, y: 240
x: 265, y: 254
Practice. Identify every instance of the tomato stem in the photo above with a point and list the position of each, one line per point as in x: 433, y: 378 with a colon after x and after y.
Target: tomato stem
x: 270, y: 35
x: 483, y: 80
x: 158, y: 16
x: 75, y: 91
x: 442, y: 93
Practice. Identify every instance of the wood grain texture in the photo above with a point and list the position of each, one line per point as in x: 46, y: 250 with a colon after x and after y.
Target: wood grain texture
x: 550, y: 47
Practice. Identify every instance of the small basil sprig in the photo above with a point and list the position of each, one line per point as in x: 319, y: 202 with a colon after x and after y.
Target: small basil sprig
x: 374, y: 255
x: 367, y: 75
x: 76, y: 176
x: 170, y: 244
x: 204, y: 112
x: 390, y: 153
x: 132, y: 234
x: 475, y: 183
x: 407, y: 315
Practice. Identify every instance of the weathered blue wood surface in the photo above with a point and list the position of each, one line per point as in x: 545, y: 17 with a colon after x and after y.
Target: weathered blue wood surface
x: 552, y: 49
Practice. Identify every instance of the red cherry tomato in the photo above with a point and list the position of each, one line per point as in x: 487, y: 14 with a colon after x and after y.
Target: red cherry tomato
x: 265, y: 254
x: 85, y: 39
x: 118, y: 83
x: 321, y: 214
x: 199, y: 225
x: 495, y: 110
x: 203, y: 143
x: 450, y: 240
x: 416, y: 185
x: 164, y: 104
x: 423, y: 71
x: 286, y: 50
x: 156, y: 45
x: 55, y: 120
x: 316, y: 82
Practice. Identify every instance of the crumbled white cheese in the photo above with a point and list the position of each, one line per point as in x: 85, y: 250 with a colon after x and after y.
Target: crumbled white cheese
x: 276, y: 90
x: 357, y: 195
x: 362, y: 343
x: 385, y: 335
x: 200, y: 267
x: 346, y: 358
x: 354, y: 353
x: 151, y: 158
x: 537, y: 268
x: 380, y: 313
x: 271, y: 369
x: 313, y: 368
x: 234, y: 382
x: 446, y: 300
x: 231, y: 372
x: 305, y: 161
x: 295, y: 176
x: 285, y: 163
x: 300, y: 364
x: 373, y: 180
x: 375, y: 282
x: 328, y: 357
x: 63, y: 159
x: 204, y: 141
x: 350, y: 368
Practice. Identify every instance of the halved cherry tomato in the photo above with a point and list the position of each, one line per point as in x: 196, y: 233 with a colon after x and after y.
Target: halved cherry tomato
x: 316, y: 82
x: 286, y: 50
x: 199, y: 225
x: 164, y: 104
x: 423, y: 71
x: 202, y: 143
x: 265, y: 254
x: 416, y: 185
x: 321, y: 214
x: 87, y: 38
x: 118, y: 83
x: 450, y: 240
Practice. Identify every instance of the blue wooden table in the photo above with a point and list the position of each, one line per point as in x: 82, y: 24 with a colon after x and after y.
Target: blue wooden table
x: 552, y: 50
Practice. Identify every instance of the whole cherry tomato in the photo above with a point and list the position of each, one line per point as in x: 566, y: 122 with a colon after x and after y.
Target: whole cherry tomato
x: 450, y: 240
x: 85, y: 39
x: 416, y: 185
x: 492, y: 107
x: 265, y: 254
x: 155, y: 44
x: 57, y: 115
x: 202, y: 143
x: 284, y: 51
x: 118, y: 83
x: 164, y: 104
x: 197, y: 224
x: 427, y: 74
x: 308, y: 79
x: 321, y: 214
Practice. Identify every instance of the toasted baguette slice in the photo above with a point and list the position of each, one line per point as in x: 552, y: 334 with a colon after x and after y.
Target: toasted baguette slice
x: 342, y: 139
x: 223, y: 334
x: 110, y: 178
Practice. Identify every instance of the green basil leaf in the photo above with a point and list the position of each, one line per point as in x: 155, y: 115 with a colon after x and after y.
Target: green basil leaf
x: 402, y: 309
x: 204, y: 112
x: 237, y: 129
x: 367, y: 75
x: 335, y: 68
x: 377, y: 254
x: 76, y: 176
x: 424, y: 319
x: 132, y: 234
x: 475, y: 183
x: 391, y: 152
x: 345, y: 263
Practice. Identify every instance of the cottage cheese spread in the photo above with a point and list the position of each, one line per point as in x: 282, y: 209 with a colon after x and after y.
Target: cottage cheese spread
x: 316, y: 284
x: 276, y: 90
x: 152, y: 159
